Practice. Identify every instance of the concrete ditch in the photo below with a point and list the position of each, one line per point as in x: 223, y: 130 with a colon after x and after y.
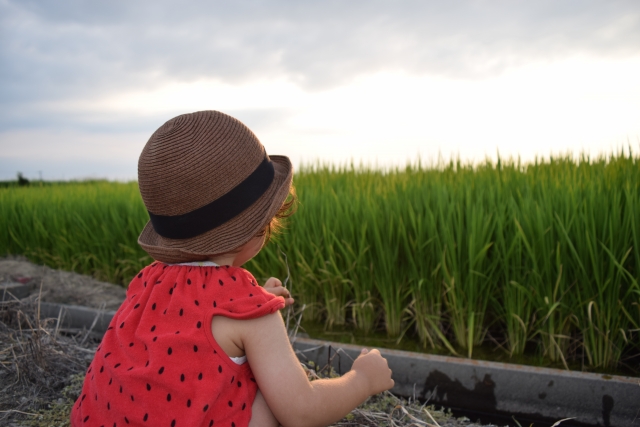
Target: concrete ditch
x: 536, y: 393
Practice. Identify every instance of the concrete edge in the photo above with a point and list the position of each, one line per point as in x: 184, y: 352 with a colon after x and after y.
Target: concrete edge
x: 593, y: 399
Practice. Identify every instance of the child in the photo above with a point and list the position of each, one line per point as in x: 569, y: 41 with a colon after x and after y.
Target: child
x: 197, y: 342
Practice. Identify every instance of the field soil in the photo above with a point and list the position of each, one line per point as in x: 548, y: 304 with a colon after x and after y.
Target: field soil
x: 61, y: 286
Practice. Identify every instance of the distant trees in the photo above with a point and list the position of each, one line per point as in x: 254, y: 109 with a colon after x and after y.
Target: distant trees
x: 22, y: 181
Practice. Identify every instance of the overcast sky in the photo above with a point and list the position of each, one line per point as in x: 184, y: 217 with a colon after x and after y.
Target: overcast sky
x: 83, y: 84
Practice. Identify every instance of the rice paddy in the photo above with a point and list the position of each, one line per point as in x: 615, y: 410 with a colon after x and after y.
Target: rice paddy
x: 538, y: 258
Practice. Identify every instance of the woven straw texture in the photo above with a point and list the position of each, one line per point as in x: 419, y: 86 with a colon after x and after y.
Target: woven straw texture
x: 194, y: 159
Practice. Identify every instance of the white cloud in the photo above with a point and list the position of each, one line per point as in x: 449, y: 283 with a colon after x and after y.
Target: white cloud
x: 369, y: 80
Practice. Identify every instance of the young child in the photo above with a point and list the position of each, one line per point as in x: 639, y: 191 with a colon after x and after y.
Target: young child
x: 197, y: 342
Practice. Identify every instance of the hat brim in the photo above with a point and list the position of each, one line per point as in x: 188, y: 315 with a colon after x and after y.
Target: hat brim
x: 230, y: 235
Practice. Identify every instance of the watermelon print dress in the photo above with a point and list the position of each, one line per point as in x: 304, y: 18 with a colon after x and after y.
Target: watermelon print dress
x: 158, y: 363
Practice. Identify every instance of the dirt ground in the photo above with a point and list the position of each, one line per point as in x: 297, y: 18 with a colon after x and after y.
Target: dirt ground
x: 61, y: 286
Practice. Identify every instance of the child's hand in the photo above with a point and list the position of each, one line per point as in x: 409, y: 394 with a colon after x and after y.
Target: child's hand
x: 375, y: 369
x: 274, y: 286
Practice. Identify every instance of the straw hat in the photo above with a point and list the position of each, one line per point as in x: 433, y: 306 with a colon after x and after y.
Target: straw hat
x: 209, y: 187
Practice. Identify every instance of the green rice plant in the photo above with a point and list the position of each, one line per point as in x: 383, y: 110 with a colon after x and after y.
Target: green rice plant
x: 424, y: 272
x: 544, y: 255
x: 90, y: 228
x: 466, y: 231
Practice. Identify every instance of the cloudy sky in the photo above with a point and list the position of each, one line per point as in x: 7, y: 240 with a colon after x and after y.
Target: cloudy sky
x: 83, y: 84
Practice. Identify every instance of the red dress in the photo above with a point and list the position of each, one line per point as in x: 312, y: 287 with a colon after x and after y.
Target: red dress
x: 158, y: 364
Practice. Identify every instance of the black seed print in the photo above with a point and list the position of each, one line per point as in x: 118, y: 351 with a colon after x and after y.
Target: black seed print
x: 153, y: 307
x: 117, y: 364
x: 154, y: 264
x: 210, y: 423
x: 231, y: 299
x: 136, y: 306
x: 108, y: 406
x: 250, y: 295
x: 233, y: 379
x: 134, y: 295
x: 90, y: 369
x: 234, y: 278
x: 230, y: 404
x: 109, y: 328
x: 121, y: 325
x: 239, y: 384
x: 146, y: 364
x: 107, y: 355
x: 165, y: 311
x: 110, y: 381
x: 154, y: 339
x: 259, y: 305
x: 161, y: 370
x: 214, y: 304
x: 171, y: 291
x: 173, y: 423
x: 195, y: 348
x: 189, y: 403
x: 181, y: 311
x: 169, y: 351
x: 132, y: 399
x: 148, y: 387
x: 253, y: 283
x: 181, y: 377
x: 140, y: 276
x: 233, y: 424
x: 175, y: 284
x: 146, y: 416
x: 221, y: 282
x: 204, y: 286
x: 196, y: 302
x: 199, y: 325
x: 83, y: 397
x: 244, y: 405
x: 145, y: 347
x: 120, y: 389
x: 101, y: 369
x: 114, y: 424
x: 130, y: 368
x: 177, y: 332
x: 153, y: 328
x: 130, y: 344
x: 158, y: 282
x: 85, y: 419
x: 126, y: 420
x: 188, y: 281
x: 145, y: 284
x: 220, y: 368
x: 199, y: 376
x: 169, y: 397
x: 205, y: 408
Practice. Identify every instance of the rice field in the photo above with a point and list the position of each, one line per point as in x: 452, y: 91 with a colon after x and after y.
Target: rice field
x: 538, y: 258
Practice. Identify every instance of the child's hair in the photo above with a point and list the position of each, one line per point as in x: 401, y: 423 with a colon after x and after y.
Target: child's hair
x: 276, y: 224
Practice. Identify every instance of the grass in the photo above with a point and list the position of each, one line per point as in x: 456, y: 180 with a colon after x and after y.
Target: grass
x: 540, y: 259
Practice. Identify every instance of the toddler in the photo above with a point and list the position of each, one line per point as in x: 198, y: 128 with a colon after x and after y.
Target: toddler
x: 197, y: 342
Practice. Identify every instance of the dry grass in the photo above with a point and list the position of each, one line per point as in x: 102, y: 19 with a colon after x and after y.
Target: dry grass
x: 42, y: 367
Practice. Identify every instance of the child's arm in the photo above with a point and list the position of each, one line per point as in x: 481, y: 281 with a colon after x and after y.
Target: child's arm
x: 291, y: 397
